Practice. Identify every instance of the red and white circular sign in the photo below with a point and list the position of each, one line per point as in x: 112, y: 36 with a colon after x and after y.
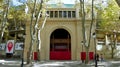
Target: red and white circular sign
x: 10, y: 46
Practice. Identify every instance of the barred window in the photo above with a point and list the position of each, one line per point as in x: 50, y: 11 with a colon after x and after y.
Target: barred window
x: 60, y: 14
x: 64, y: 14
x: 56, y: 14
x: 51, y: 14
x: 69, y: 14
x: 73, y: 14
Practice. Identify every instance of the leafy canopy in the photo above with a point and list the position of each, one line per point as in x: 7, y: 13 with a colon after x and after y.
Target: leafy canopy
x: 110, y: 16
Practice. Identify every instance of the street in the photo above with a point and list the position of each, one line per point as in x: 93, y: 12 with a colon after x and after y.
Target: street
x: 17, y: 63
x: 10, y: 63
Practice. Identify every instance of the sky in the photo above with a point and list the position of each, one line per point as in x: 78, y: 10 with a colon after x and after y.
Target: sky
x: 73, y: 1
x: 15, y: 2
x: 64, y: 1
x: 69, y: 1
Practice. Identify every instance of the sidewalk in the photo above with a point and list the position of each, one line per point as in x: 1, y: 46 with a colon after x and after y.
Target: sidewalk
x: 100, y: 64
x: 106, y: 64
x: 17, y: 63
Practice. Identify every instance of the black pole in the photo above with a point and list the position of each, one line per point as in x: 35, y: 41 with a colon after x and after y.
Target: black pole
x: 22, y: 64
x: 96, y: 58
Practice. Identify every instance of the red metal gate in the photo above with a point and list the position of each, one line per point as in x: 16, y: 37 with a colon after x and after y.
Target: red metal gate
x: 35, y: 56
x: 83, y: 55
x: 60, y: 55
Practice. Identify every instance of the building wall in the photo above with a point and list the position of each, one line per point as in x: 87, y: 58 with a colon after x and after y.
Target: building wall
x: 72, y: 25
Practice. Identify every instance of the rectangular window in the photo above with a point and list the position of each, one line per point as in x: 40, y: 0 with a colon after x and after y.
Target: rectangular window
x: 56, y: 14
x: 64, y: 14
x: 51, y: 14
x: 60, y: 14
x: 69, y: 14
x: 73, y: 14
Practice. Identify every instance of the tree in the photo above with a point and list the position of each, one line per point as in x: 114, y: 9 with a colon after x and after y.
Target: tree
x: 83, y: 13
x: 110, y: 22
x: 118, y: 1
x: 82, y: 5
x: 32, y: 33
x: 17, y: 14
x: 110, y: 17
x: 38, y: 12
x: 5, y: 11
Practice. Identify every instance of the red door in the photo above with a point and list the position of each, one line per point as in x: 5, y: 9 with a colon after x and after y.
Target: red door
x: 60, y: 45
x: 60, y: 52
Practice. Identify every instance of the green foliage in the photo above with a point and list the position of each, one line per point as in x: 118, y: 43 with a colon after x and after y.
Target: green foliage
x: 118, y: 2
x: 110, y: 16
x: 17, y: 15
x: 1, y: 1
x: 111, y: 12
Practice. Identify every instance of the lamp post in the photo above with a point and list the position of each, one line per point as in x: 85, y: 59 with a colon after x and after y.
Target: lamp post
x: 94, y: 36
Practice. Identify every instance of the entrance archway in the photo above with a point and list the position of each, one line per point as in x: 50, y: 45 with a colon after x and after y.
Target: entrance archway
x: 60, y: 45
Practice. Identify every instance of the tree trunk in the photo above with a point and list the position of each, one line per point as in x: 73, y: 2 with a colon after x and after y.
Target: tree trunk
x: 91, y: 26
x: 38, y: 31
x: 30, y: 53
x: 34, y: 31
x: 83, y: 30
x: 87, y: 45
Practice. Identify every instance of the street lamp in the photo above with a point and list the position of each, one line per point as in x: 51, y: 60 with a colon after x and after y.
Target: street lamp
x: 94, y: 36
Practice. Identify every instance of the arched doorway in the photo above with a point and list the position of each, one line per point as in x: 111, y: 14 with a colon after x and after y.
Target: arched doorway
x: 60, y: 45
